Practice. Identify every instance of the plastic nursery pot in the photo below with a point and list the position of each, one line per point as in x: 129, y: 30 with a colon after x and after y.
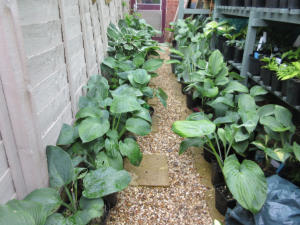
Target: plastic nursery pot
x: 183, y: 85
x: 284, y: 87
x: 248, y: 3
x: 209, y: 157
x: 272, y: 3
x: 224, y: 2
x: 238, y: 55
x: 223, y: 198
x: 293, y: 93
x: 266, y: 76
x: 235, y: 2
x: 111, y: 200
x: 228, y: 52
x: 220, y: 43
x: 190, y: 102
x: 151, y: 111
x: 254, y: 66
x: 283, y: 3
x: 293, y: 4
x: 275, y: 83
x: 258, y: 3
x: 217, y: 177
x: 174, y: 43
x: 173, y: 65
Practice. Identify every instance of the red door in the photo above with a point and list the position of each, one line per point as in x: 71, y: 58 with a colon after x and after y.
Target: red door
x: 154, y: 12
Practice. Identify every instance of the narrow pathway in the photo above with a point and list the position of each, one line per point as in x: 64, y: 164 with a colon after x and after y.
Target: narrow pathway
x: 183, y: 203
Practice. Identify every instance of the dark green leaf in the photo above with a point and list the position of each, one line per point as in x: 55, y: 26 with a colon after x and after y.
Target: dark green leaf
x: 67, y: 135
x: 138, y: 126
x: 131, y: 150
x: 197, y: 128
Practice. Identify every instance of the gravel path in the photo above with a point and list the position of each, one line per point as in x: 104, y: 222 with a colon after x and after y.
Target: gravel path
x: 183, y: 203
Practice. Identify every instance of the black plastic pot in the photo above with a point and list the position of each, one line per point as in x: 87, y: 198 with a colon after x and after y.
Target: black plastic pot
x: 248, y: 3
x: 223, y: 199
x: 293, y: 94
x: 220, y: 43
x: 111, y: 200
x: 183, y: 85
x: 275, y: 83
x: 224, y: 2
x: 228, y: 52
x: 151, y: 111
x: 190, y: 102
x: 217, y: 177
x: 266, y: 76
x: 238, y: 55
x: 284, y: 87
x: 174, y: 43
x: 293, y: 4
x: 272, y: 3
x: 258, y: 3
x: 173, y: 66
x: 283, y: 3
x: 254, y: 66
x: 235, y: 2
x: 208, y: 156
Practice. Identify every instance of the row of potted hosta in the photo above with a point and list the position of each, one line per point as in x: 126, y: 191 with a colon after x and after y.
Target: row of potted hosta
x: 86, y: 165
x: 232, y: 125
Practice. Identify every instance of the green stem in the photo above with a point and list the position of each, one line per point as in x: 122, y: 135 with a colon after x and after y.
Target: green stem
x: 122, y: 132
x: 70, y: 198
x: 118, y: 122
x: 219, y: 149
x: 215, y: 152
x: 114, y: 122
x: 67, y: 206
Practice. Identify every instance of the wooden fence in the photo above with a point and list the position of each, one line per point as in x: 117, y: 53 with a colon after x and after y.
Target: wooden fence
x: 48, y: 50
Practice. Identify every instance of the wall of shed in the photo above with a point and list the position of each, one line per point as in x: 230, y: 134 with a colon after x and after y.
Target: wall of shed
x: 63, y: 43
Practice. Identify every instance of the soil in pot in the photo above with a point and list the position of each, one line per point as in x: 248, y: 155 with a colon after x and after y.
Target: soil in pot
x: 228, y: 52
x: 293, y: 4
x: 224, y: 2
x: 224, y: 199
x: 258, y: 3
x: 283, y: 3
x: 254, y: 66
x: 266, y: 76
x: 275, y: 83
x: 238, y: 55
x: 293, y: 93
x: 272, y: 3
x: 217, y: 177
x: 248, y: 3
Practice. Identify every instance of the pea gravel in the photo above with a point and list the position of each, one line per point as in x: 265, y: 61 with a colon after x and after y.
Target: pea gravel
x: 183, y: 202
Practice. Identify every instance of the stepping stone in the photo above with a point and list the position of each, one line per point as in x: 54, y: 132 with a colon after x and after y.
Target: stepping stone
x: 153, y: 171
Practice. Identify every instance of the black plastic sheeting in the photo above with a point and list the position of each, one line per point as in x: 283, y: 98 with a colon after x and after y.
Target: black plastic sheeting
x: 282, y: 206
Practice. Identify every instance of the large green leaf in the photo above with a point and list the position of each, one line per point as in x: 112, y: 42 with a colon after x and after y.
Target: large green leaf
x: 138, y: 126
x: 257, y: 90
x: 10, y: 216
x: 57, y: 219
x: 284, y: 116
x: 60, y: 167
x: 273, y: 124
x: 197, y: 128
x: 152, y: 64
x: 48, y: 197
x: 139, y: 76
x: 91, y: 112
x: 248, y: 112
x: 92, y: 128
x: 131, y: 150
x: 126, y: 90
x: 215, y: 62
x: 199, y: 116
x: 104, y: 161
x: 235, y: 86
x: 104, y: 181
x: 34, y: 209
x: 144, y: 114
x: 229, y: 117
x: 162, y: 96
x: 138, y: 60
x: 296, y: 149
x: 91, y: 208
x: 124, y: 104
x: 246, y: 182
x: 190, y: 142
x: 68, y: 134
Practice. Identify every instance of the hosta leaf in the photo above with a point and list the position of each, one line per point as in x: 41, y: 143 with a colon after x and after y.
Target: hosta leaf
x: 60, y: 167
x: 246, y: 103
x: 92, y: 208
x: 152, y: 64
x: 48, y: 197
x: 138, y: 60
x: 110, y: 62
x: 68, y: 134
x: 141, y: 76
x: 284, y: 116
x: 257, y: 90
x: 162, y: 96
x: 246, y: 182
x: 197, y: 128
x: 229, y: 117
x: 130, y: 149
x: 138, y: 126
x: 34, y: 209
x: 90, y: 112
x: 273, y: 124
x: 199, y: 116
x: 104, y: 181
x: 190, y: 142
x: 296, y: 149
x: 105, y: 161
x: 15, y: 216
x: 92, y: 128
x: 235, y: 86
x: 215, y: 62
x: 57, y: 219
x: 266, y: 110
x: 124, y: 104
x: 144, y: 114
x: 126, y: 90
x: 240, y: 147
